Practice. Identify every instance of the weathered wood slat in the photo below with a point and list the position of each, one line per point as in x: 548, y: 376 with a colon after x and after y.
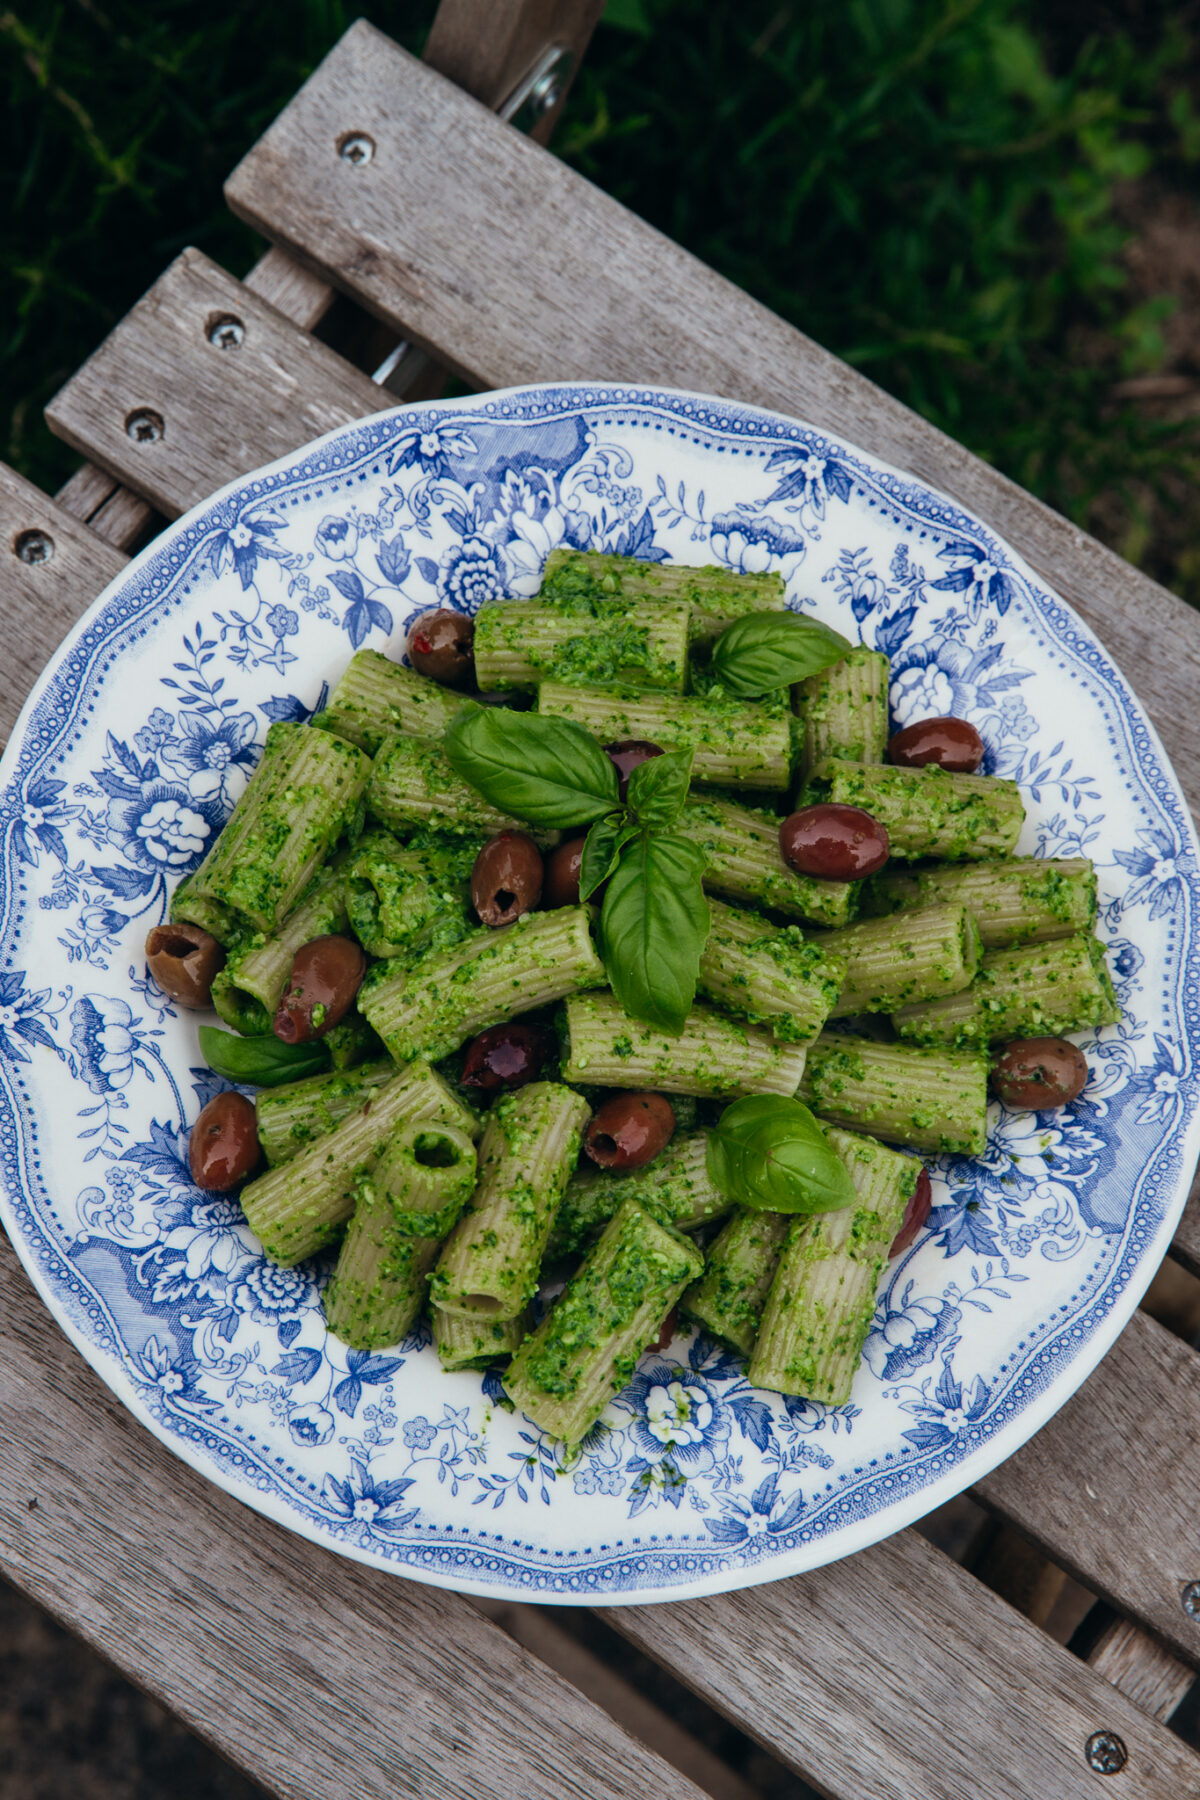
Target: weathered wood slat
x: 1108, y: 1488
x: 1187, y: 1237
x: 1141, y: 1669
x: 42, y: 598
x: 916, y: 1681
x: 423, y: 236
x: 316, y: 1676
x: 153, y: 404
x: 486, y: 46
x: 291, y: 289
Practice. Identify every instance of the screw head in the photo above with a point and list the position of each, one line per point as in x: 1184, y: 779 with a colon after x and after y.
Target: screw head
x: 144, y: 426
x: 226, y: 332
x: 545, y: 94
x: 1106, y: 1753
x: 34, y: 547
x: 356, y: 148
x: 1189, y: 1599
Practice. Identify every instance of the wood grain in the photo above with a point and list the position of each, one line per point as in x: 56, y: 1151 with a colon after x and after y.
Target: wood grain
x: 895, y: 1673
x: 1141, y: 1669
x: 222, y: 411
x: 316, y: 1676
x: 486, y: 46
x: 423, y: 236
x: 1186, y: 1246
x: 40, y: 601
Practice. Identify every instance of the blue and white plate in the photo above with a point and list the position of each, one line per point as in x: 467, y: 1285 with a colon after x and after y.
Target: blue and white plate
x: 130, y: 753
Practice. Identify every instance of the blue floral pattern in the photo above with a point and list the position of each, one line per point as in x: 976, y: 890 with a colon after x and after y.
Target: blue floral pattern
x: 137, y: 746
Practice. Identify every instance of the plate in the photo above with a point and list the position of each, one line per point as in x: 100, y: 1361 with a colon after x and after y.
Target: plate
x: 134, y: 745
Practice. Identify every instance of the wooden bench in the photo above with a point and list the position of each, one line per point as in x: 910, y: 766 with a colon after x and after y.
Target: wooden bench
x: 896, y: 1674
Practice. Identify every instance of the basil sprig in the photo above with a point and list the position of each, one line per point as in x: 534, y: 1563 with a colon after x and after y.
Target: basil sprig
x: 769, y: 1152
x: 260, y: 1061
x: 762, y: 651
x: 548, y: 771
x: 653, y: 927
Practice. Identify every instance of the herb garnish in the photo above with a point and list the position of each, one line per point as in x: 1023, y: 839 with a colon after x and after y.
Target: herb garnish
x: 762, y: 651
x: 769, y: 1152
x: 262, y: 1061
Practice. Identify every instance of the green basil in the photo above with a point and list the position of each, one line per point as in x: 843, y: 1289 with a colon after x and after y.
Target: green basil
x: 547, y: 771
x: 658, y: 788
x: 260, y: 1061
x: 602, y: 847
x: 769, y: 1152
x: 762, y: 651
x: 653, y: 928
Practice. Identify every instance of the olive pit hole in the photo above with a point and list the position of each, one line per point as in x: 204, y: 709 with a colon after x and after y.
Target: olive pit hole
x: 605, y: 1144
x: 504, y: 899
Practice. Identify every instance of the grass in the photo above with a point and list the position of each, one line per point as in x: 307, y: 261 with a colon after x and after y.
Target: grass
x: 935, y: 189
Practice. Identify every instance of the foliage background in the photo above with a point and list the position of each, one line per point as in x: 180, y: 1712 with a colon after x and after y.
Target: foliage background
x: 985, y: 204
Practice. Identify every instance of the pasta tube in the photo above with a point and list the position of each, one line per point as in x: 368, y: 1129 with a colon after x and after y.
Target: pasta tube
x: 519, y: 643
x: 377, y: 696
x: 714, y: 596
x: 1040, y: 990
x: 770, y: 976
x: 735, y: 743
x: 675, y: 1189
x: 1021, y: 900
x: 844, y: 710
x: 910, y: 956
x: 738, y: 1271
x: 927, y: 812
x: 744, y: 862
x: 711, y: 1055
x: 933, y: 1099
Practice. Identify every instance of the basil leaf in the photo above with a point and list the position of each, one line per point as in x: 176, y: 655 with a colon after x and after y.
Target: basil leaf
x: 548, y: 771
x: 658, y: 788
x: 769, y: 1152
x: 653, y: 928
x: 260, y: 1061
x: 601, y: 849
x: 762, y: 651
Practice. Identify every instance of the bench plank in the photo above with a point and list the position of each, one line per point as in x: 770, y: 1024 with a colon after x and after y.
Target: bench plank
x: 220, y: 411
x: 423, y: 236
x: 314, y: 1675
x: 916, y: 1681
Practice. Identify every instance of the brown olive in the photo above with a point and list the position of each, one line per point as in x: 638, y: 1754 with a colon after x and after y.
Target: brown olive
x: 562, y: 874
x: 507, y: 878
x: 183, y: 960
x: 629, y: 755
x: 835, y: 843
x: 629, y: 1130
x: 666, y: 1330
x: 1036, y: 1074
x: 506, y: 1057
x: 326, y: 975
x: 223, y: 1148
x: 952, y: 744
x: 915, y: 1214
x: 440, y: 646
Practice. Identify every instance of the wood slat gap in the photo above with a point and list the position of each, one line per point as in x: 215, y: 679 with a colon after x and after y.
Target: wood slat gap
x: 1141, y: 1669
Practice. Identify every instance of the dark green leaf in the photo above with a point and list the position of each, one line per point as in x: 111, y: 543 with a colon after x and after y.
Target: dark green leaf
x: 762, y: 651
x: 658, y: 788
x: 769, y: 1152
x: 601, y: 848
x: 654, y: 926
x: 260, y: 1061
x: 548, y: 771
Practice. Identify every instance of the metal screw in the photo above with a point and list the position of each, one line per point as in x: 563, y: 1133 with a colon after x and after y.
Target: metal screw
x: 226, y: 332
x: 357, y: 148
x: 1106, y: 1753
x: 1189, y: 1599
x: 540, y: 90
x: 34, y: 547
x: 144, y: 426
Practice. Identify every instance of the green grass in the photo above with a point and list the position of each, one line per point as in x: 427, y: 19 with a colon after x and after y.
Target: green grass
x: 931, y: 188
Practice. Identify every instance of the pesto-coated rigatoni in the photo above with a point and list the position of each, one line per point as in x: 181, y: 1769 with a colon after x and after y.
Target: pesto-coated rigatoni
x: 403, y: 1207
x: 843, y: 710
x: 297, y: 1209
x: 434, y: 1004
x: 675, y: 1189
x: 247, y: 991
x: 711, y: 1055
x: 932, y: 1099
x: 744, y: 863
x: 465, y: 1341
x: 909, y: 956
x: 1040, y: 990
x: 822, y: 1299
x: 376, y: 697
x: 489, y: 1267
x: 714, y: 596
x: 926, y: 811
x: 519, y: 643
x: 769, y: 974
x: 413, y: 784
x: 739, y: 1268
x: 401, y: 901
x: 1020, y: 900
x: 734, y: 743
x: 587, y: 1347
x: 292, y: 1116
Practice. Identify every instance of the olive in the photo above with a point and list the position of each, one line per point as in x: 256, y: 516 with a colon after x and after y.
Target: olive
x: 835, y: 843
x: 627, y: 756
x: 223, y: 1148
x: 1035, y: 1074
x: 915, y: 1214
x: 666, y: 1330
x: 562, y: 874
x: 325, y: 977
x: 183, y: 960
x: 440, y: 646
x: 629, y: 1130
x: 507, y: 878
x: 952, y: 744
x: 505, y: 1057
